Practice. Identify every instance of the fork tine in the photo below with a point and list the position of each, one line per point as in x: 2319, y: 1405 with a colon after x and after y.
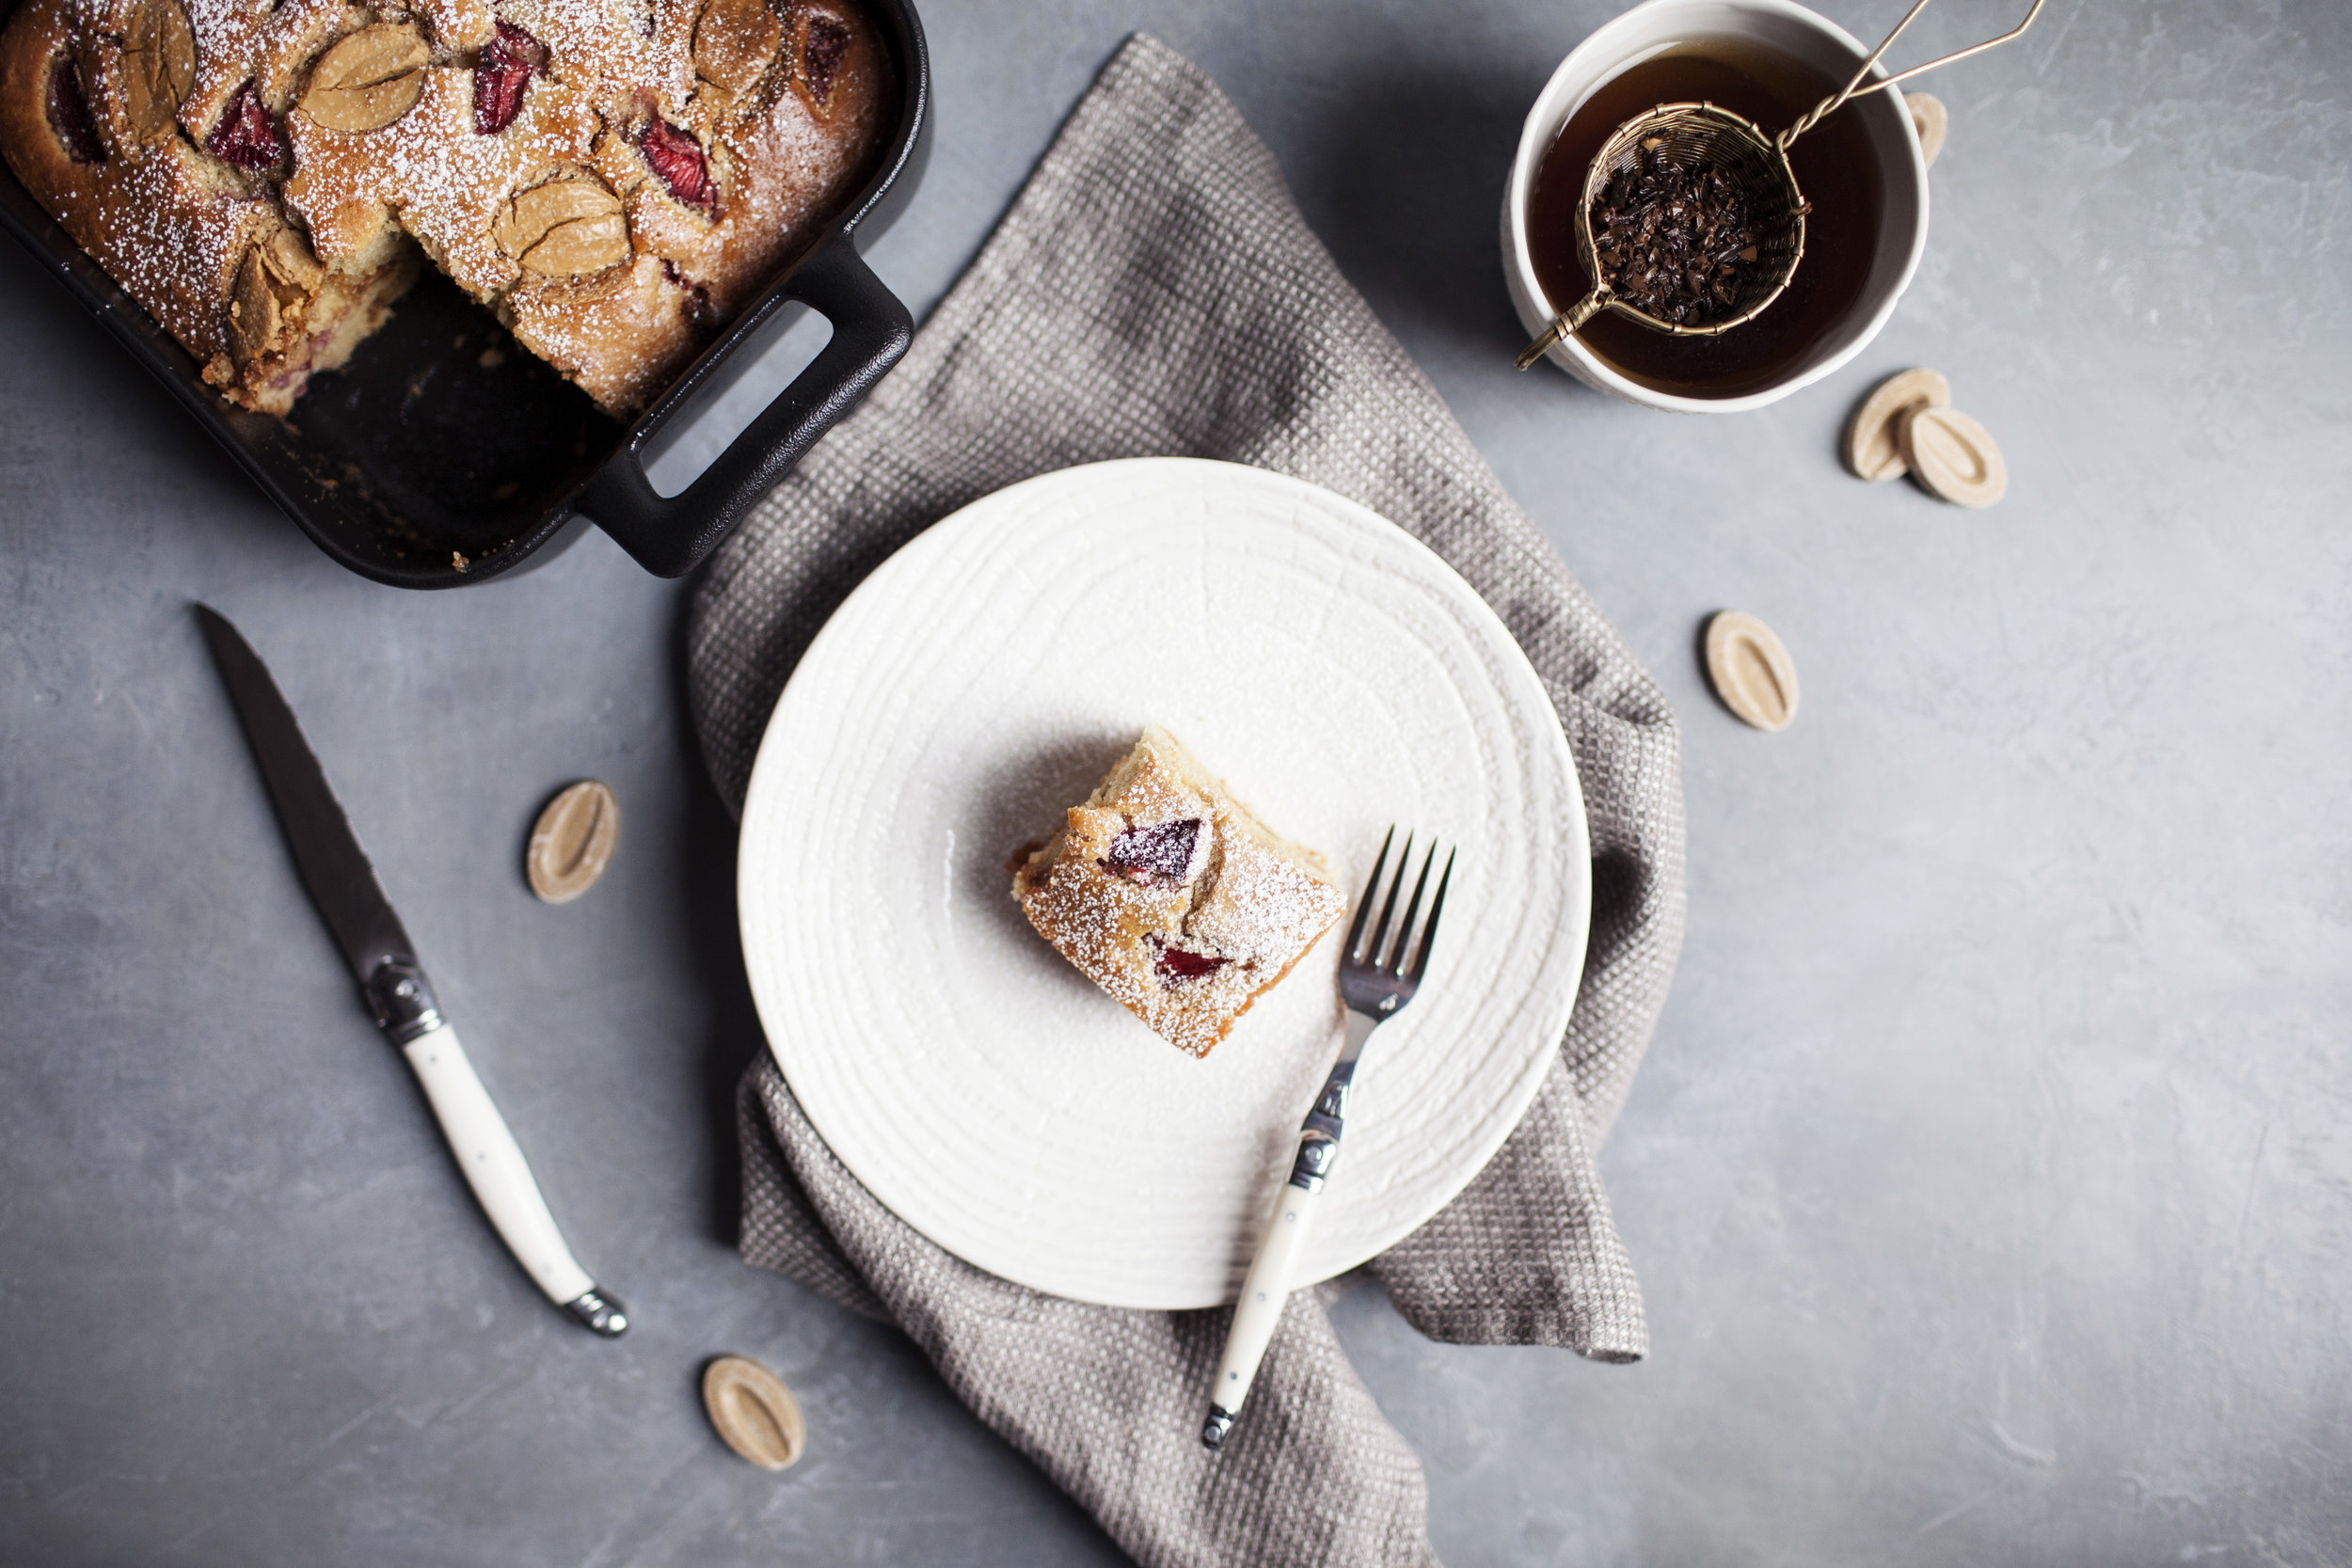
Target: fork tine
x: 1381, y: 932
x: 1437, y: 908
x: 1363, y: 905
x: 1405, y: 929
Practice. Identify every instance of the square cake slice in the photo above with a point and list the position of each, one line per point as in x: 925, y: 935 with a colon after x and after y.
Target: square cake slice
x: 1171, y: 896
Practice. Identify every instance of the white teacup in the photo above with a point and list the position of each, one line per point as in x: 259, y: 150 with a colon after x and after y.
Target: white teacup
x: 1793, y: 30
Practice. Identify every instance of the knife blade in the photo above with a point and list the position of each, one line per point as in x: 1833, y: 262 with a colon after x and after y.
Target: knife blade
x: 342, y: 883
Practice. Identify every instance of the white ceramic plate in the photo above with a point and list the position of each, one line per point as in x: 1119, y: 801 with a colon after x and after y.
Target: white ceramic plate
x: 1340, y: 676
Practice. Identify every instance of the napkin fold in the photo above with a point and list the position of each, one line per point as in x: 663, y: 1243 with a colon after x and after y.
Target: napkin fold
x: 1155, y: 292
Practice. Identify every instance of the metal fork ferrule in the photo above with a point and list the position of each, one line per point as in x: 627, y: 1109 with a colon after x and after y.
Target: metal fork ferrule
x: 1318, y: 1151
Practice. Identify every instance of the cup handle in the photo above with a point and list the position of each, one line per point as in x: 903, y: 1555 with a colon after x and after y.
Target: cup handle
x: 871, y: 330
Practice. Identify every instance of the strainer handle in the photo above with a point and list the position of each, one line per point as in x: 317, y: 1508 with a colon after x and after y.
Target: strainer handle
x: 1562, y: 324
x: 1829, y: 105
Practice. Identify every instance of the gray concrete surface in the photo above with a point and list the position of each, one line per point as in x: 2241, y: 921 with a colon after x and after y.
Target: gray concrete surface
x: 1989, y: 1179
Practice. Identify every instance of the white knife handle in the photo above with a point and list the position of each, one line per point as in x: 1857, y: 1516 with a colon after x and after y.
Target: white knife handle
x: 500, y: 1179
x: 1259, y: 1308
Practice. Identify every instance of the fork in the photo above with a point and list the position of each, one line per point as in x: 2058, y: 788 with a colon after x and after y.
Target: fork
x: 1376, y: 983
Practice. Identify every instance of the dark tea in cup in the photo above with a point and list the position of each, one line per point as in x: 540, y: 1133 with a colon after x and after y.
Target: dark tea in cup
x: 1836, y: 167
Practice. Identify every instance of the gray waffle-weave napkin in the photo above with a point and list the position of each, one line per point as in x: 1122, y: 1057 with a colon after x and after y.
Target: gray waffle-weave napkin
x: 1154, y: 290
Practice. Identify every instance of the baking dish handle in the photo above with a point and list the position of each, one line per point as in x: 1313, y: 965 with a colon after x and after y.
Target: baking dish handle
x: 670, y: 536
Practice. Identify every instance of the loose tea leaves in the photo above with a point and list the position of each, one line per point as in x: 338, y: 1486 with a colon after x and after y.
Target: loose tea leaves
x: 1679, y: 243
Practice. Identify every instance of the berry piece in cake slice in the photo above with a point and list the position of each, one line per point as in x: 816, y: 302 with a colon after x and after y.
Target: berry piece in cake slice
x: 1163, y: 851
x: 678, y: 157
x: 247, y: 135
x: 70, y: 117
x: 509, y: 61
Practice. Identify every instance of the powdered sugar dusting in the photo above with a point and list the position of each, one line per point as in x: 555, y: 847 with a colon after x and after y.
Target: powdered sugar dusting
x: 712, y: 200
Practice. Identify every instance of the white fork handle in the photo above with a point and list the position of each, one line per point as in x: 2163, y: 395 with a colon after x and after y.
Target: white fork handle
x: 501, y: 1178
x: 1259, y: 1308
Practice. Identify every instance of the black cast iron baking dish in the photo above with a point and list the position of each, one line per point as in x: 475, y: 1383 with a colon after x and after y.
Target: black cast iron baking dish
x: 429, y: 461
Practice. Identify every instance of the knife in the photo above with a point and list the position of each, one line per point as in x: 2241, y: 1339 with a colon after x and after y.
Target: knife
x: 342, y: 884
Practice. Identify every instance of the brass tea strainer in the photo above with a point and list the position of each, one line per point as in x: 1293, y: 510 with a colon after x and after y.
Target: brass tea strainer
x: 1690, y: 136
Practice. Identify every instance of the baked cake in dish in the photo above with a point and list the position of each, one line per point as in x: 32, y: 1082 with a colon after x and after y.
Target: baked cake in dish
x: 615, y: 177
x: 1169, y: 894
